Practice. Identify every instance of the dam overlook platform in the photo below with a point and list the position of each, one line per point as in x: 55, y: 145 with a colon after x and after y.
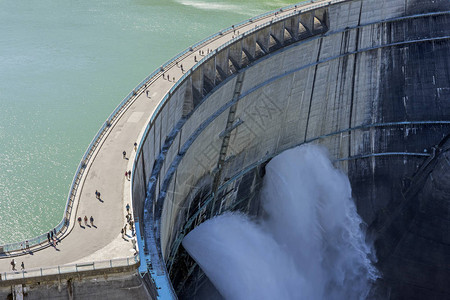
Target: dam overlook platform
x: 369, y: 80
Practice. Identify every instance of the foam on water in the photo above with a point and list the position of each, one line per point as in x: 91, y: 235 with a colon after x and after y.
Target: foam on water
x: 248, y: 8
x: 309, y: 245
x: 210, y: 5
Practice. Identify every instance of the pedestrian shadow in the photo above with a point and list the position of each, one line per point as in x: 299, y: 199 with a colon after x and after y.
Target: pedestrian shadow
x: 82, y: 227
x: 94, y: 226
x: 88, y: 226
x: 54, y: 246
x: 24, y: 251
x: 100, y: 200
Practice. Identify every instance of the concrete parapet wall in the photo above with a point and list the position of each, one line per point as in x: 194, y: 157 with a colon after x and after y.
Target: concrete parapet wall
x: 123, y: 285
x: 65, y: 276
x: 367, y: 79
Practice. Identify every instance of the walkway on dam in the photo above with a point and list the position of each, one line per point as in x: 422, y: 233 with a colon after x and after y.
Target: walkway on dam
x: 106, y: 173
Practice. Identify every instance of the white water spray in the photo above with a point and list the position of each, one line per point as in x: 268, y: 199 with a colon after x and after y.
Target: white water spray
x: 309, y: 245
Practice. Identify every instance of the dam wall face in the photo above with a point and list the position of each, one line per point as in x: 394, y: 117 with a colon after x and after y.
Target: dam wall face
x: 369, y: 80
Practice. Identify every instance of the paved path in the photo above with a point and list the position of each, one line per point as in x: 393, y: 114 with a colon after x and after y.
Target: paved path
x: 106, y: 173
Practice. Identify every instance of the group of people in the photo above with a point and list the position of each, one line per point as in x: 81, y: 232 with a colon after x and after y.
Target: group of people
x: 27, y: 245
x: 167, y: 76
x: 91, y: 219
x: 13, y: 265
x: 180, y: 66
x: 51, y: 237
x: 129, y: 222
x: 200, y: 52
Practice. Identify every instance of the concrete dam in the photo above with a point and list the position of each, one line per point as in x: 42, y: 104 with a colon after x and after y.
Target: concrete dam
x: 367, y: 79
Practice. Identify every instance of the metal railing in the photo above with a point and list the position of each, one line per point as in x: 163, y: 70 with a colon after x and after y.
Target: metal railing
x: 71, y: 268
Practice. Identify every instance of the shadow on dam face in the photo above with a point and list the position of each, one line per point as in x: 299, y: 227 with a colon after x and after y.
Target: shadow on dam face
x: 373, y: 87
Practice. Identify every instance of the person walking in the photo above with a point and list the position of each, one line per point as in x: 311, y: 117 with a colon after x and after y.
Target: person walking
x: 79, y: 222
x: 124, y: 154
x: 135, y: 146
x: 13, y: 264
x: 129, y: 174
x: 48, y: 236
x: 132, y: 227
x: 22, y: 265
x: 96, y: 194
x: 126, y: 174
x: 51, y: 235
x: 27, y: 245
x: 122, y: 231
x: 128, y: 207
x: 92, y: 220
x: 85, y: 220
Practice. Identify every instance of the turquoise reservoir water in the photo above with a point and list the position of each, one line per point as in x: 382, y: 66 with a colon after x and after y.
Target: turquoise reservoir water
x: 64, y: 67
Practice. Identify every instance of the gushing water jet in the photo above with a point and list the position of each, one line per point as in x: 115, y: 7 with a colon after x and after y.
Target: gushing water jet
x: 309, y: 244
